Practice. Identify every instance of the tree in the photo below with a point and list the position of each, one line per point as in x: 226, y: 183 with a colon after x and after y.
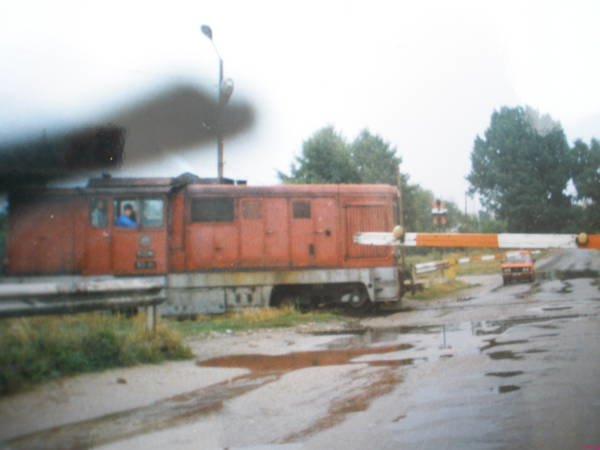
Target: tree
x: 521, y: 168
x: 417, y: 207
x: 325, y: 159
x: 374, y: 159
x: 586, y: 178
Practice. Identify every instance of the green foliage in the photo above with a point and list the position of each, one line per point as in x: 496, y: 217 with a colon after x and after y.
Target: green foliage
x: 374, y: 159
x: 417, y: 208
x: 252, y: 319
x: 586, y: 178
x: 3, y: 225
x: 44, y: 348
x: 489, y: 224
x: 325, y: 158
x: 521, y: 168
x: 440, y: 290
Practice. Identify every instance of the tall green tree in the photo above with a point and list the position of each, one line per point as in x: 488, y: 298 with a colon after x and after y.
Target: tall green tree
x: 325, y: 158
x: 375, y: 160
x: 520, y: 168
x: 586, y: 178
x: 417, y: 207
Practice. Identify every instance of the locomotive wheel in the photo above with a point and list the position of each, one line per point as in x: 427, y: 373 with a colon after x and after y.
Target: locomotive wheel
x: 359, y: 300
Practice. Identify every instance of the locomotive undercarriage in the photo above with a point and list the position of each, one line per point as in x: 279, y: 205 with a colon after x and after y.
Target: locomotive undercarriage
x: 216, y: 292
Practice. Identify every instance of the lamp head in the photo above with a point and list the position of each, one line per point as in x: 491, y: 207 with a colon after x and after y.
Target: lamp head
x: 206, y: 31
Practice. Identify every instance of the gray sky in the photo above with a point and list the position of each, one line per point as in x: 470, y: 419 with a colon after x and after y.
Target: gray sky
x: 426, y: 76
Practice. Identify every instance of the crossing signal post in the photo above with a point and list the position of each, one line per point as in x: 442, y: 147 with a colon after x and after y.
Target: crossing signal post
x: 439, y: 213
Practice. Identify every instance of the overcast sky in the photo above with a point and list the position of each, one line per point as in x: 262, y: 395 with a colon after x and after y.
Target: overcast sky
x: 424, y: 75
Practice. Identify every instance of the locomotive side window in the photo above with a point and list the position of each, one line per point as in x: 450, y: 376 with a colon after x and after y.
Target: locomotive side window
x: 98, y: 213
x: 152, y: 212
x: 212, y: 209
x: 301, y: 210
x: 127, y: 213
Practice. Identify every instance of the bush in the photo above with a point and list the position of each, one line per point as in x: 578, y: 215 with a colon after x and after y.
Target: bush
x: 44, y: 348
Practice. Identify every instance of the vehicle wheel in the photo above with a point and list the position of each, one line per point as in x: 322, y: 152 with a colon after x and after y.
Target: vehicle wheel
x: 359, y: 300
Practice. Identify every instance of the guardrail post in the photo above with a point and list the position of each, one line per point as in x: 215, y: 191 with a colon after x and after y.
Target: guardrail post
x: 151, y: 318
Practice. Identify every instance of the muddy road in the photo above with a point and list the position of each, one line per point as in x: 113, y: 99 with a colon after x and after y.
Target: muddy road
x: 489, y: 368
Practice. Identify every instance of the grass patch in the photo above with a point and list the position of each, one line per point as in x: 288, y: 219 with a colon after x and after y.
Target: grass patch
x: 250, y: 319
x: 43, y: 348
x: 439, y: 290
x: 480, y: 268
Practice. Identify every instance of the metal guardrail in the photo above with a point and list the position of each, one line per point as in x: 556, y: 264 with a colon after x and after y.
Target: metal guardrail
x: 23, y: 297
x: 431, y: 266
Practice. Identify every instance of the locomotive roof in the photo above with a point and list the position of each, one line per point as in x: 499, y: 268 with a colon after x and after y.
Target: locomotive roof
x: 295, y: 189
x: 196, y: 185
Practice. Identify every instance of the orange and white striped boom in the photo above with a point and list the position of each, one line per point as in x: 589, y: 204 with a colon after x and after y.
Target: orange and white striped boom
x: 501, y: 240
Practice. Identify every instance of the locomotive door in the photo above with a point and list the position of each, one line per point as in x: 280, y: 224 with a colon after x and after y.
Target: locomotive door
x: 276, y: 241
x: 97, y: 238
x: 139, y: 236
x: 324, y: 221
x: 313, y: 232
x: 252, y: 232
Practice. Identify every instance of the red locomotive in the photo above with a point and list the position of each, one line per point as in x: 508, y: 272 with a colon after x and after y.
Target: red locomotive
x: 219, y: 246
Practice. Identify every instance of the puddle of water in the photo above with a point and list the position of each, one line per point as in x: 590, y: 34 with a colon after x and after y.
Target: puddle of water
x: 569, y: 274
x: 494, y: 343
x: 508, y: 388
x: 504, y: 354
x: 506, y: 374
x: 556, y: 308
x: 536, y: 350
x: 462, y: 338
x: 546, y: 335
x: 300, y: 360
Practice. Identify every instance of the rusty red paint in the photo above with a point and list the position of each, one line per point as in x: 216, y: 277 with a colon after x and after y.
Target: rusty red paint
x: 55, y: 233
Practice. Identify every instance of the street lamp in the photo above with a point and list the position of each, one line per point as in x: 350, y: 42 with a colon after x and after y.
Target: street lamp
x: 225, y: 89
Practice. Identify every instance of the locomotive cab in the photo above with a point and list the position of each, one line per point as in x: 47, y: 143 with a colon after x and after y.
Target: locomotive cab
x: 126, y: 229
x: 126, y: 235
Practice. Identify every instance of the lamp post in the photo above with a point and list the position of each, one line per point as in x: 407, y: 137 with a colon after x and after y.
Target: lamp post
x: 225, y: 89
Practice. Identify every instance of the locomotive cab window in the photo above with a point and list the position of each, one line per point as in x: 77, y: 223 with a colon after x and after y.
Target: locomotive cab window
x: 152, y: 212
x: 98, y: 213
x: 301, y: 209
x: 126, y: 213
x: 133, y: 212
x: 212, y: 209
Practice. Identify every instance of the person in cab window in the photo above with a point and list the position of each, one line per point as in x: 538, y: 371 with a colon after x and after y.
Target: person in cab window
x: 127, y: 218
